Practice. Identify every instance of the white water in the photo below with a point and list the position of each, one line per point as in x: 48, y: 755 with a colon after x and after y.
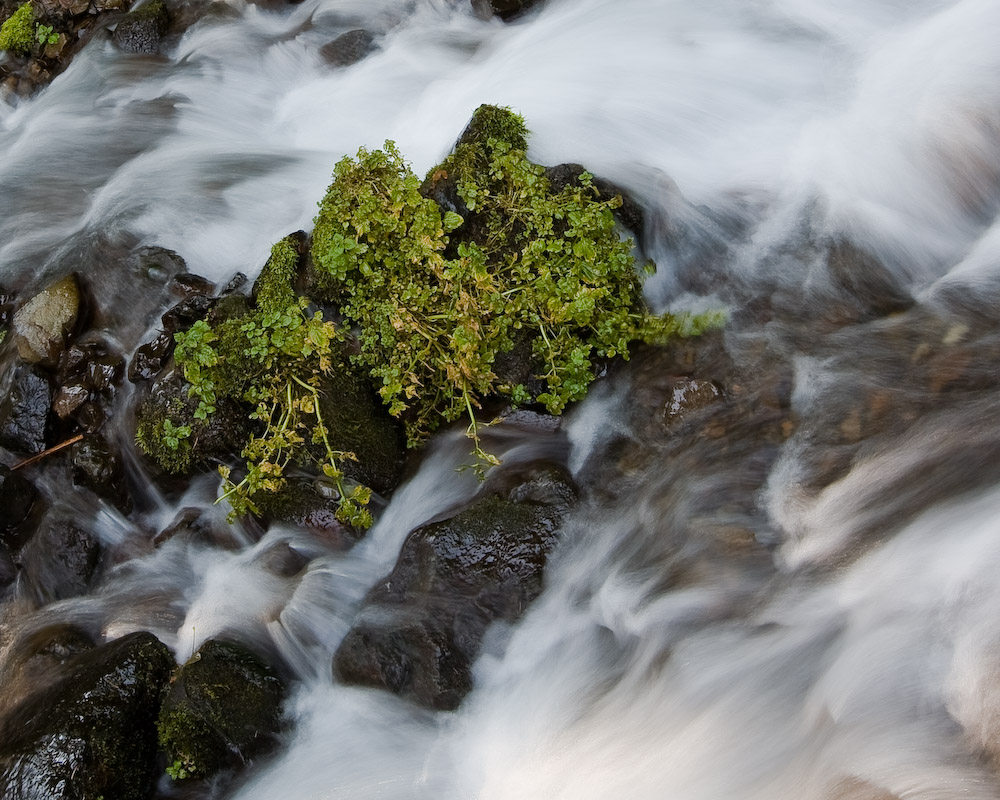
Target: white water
x: 855, y: 655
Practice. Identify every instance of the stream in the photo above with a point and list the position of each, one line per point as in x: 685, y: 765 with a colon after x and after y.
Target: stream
x: 791, y: 599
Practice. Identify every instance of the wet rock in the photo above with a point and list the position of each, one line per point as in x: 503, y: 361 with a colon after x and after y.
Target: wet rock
x: 17, y: 497
x: 98, y: 467
x: 505, y: 9
x: 300, y: 504
x: 8, y: 572
x: 24, y: 413
x: 69, y: 399
x: 156, y: 263
x: 630, y: 213
x: 187, y: 312
x: 150, y: 359
x: 93, y: 734
x: 423, y: 624
x: 222, y: 710
x: 141, y: 30
x: 42, y: 325
x: 876, y: 290
x: 61, y: 11
x: 348, y: 48
x: 234, y: 284
x: 359, y: 423
x: 61, y: 558
x: 687, y: 396
x: 187, y: 284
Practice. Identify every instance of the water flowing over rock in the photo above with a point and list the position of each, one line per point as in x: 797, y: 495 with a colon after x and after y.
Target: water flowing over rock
x: 423, y: 624
x: 24, y: 413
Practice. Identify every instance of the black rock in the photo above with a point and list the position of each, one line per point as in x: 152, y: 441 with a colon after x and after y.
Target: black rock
x: 60, y: 559
x: 223, y: 709
x: 93, y: 734
x: 150, y: 359
x: 17, y: 496
x: 98, y: 467
x: 422, y: 626
x: 24, y: 413
x: 187, y: 312
x: 348, y: 48
x: 505, y: 9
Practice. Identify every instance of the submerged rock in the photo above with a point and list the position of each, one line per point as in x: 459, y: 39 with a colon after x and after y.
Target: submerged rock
x: 92, y: 734
x: 505, y: 9
x: 223, y: 709
x: 60, y: 559
x: 348, y: 48
x: 42, y: 325
x: 17, y: 497
x: 423, y: 624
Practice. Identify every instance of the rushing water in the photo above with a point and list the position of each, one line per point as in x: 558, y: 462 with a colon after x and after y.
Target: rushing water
x: 848, y: 645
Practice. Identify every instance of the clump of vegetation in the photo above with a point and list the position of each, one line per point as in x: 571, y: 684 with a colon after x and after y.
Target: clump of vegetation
x: 439, y: 296
x: 436, y: 292
x: 271, y: 359
x: 45, y: 35
x: 17, y: 34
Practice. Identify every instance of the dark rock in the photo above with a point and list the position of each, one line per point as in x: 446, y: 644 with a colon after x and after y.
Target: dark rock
x: 348, y: 48
x: 8, y: 572
x: 629, y: 213
x: 93, y: 734
x: 505, y: 9
x: 105, y: 372
x: 359, y: 423
x: 142, y: 30
x: 223, y: 709
x: 423, y: 624
x: 90, y: 417
x: 24, y: 413
x: 69, y: 399
x: 187, y: 284
x: 687, y: 396
x: 41, y: 326
x: 871, y: 284
x: 17, y: 497
x: 61, y: 11
x: 234, y: 284
x: 156, y: 263
x: 90, y: 364
x: 298, y: 503
x: 61, y: 558
x: 99, y: 468
x: 187, y: 312
x: 150, y: 359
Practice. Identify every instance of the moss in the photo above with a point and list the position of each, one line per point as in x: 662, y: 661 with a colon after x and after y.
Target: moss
x: 222, y: 709
x: 18, y: 33
x: 274, y: 288
x: 157, y: 9
x: 154, y: 420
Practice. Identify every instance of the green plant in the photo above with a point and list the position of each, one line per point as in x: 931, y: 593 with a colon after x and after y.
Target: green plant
x: 44, y: 34
x: 17, y: 34
x: 438, y: 297
x: 179, y: 770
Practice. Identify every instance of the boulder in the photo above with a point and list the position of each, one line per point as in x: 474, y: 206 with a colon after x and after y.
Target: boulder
x: 42, y: 325
x: 98, y: 467
x: 629, y: 213
x: 421, y: 627
x: 312, y: 505
x: 223, y: 709
x: 348, y: 48
x: 150, y: 358
x: 24, y: 413
x: 142, y: 29
x: 17, y: 497
x: 60, y: 559
x: 505, y: 9
x: 92, y: 734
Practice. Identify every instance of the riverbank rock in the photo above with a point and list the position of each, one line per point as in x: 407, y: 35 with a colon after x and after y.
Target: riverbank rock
x: 223, y: 708
x: 42, y: 325
x: 421, y: 627
x: 93, y: 734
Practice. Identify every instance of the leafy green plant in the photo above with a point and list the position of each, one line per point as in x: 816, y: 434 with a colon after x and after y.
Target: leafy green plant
x: 179, y: 770
x: 45, y: 35
x: 440, y: 296
x: 17, y: 34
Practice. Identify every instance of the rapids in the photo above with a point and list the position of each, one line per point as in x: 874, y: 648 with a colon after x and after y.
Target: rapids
x: 848, y: 648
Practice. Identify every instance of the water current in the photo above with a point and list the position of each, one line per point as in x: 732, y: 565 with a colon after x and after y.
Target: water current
x: 810, y: 615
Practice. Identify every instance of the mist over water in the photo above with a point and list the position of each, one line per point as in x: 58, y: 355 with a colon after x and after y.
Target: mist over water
x: 750, y: 616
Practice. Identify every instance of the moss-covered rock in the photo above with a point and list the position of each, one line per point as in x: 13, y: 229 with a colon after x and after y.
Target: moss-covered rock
x: 92, y: 734
x: 223, y: 708
x: 17, y: 34
x: 423, y: 624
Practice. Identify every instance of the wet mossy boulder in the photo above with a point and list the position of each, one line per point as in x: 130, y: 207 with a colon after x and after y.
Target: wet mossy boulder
x: 223, y: 709
x: 92, y: 734
x: 348, y: 48
x: 421, y: 627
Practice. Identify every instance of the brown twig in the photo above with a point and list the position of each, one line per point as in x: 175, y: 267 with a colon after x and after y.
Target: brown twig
x: 54, y: 449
